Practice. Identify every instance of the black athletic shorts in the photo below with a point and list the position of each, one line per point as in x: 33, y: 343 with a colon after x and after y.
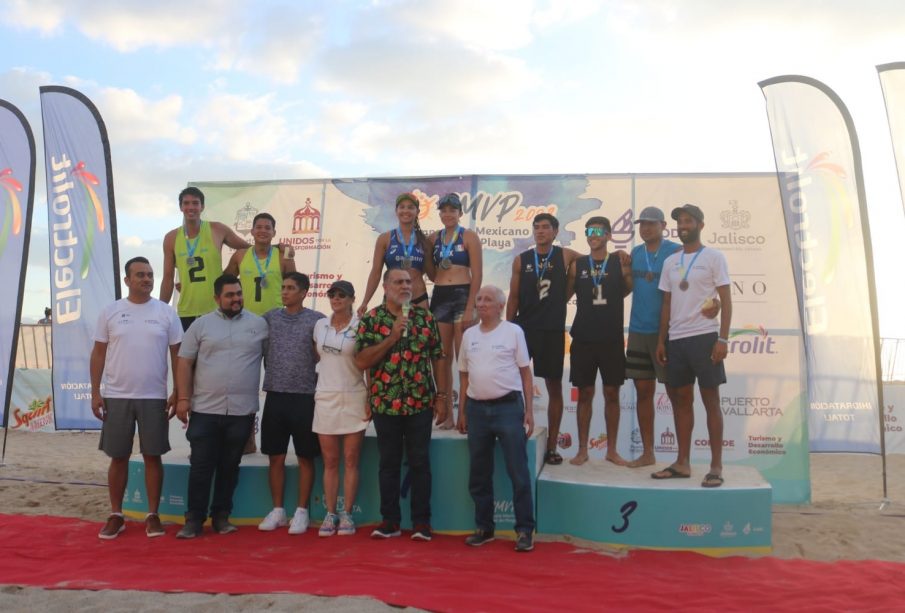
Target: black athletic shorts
x: 587, y: 359
x: 289, y: 415
x: 547, y: 348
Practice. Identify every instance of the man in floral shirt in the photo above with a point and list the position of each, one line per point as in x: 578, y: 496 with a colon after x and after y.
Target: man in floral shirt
x: 400, y: 346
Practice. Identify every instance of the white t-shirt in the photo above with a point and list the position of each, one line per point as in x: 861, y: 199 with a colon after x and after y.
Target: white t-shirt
x: 492, y: 360
x: 138, y: 337
x: 336, y: 370
x: 708, y: 272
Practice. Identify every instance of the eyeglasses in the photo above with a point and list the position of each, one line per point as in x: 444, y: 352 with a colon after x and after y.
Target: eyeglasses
x: 336, y: 294
x: 595, y: 232
x: 349, y: 333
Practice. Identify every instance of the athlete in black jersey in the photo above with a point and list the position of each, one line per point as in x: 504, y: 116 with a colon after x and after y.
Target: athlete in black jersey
x: 537, y: 303
x: 600, y: 281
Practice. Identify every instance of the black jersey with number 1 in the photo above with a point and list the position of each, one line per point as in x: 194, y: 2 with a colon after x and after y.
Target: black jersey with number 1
x: 600, y: 308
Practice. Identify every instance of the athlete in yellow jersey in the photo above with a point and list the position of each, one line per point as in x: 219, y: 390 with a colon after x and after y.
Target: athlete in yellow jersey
x: 194, y: 250
x: 262, y: 267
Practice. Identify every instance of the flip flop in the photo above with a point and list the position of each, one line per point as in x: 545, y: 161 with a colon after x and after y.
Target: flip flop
x: 552, y: 458
x: 671, y: 473
x: 712, y: 480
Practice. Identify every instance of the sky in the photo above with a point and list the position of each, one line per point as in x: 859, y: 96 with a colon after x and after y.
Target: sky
x: 213, y: 90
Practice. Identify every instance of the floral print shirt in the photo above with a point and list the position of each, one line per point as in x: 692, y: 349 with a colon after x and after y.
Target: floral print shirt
x: 401, y: 383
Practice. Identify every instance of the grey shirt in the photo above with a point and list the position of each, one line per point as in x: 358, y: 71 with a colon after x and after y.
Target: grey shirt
x: 290, y: 362
x: 227, y: 353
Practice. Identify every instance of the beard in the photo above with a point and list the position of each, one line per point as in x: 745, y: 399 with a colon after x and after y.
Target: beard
x: 690, y: 236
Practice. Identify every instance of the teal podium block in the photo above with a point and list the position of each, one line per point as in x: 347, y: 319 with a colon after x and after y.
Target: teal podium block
x: 451, y: 505
x: 624, y: 507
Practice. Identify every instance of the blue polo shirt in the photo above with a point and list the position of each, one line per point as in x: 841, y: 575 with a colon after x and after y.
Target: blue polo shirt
x: 647, y: 300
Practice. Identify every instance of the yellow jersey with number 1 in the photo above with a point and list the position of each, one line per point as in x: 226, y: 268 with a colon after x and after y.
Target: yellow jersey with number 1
x: 262, y: 292
x: 196, y: 276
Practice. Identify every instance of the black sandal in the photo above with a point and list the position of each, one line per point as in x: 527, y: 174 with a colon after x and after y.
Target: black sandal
x: 552, y: 458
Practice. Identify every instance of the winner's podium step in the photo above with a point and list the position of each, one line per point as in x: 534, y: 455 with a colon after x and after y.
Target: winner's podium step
x: 611, y: 504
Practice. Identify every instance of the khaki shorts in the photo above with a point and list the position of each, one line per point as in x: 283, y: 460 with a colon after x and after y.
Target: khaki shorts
x: 641, y: 358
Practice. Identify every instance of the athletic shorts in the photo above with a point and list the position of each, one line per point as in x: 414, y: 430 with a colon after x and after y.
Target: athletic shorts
x: 587, y: 359
x: 449, y: 302
x: 547, y: 348
x: 689, y: 359
x: 641, y: 358
x: 118, y: 430
x: 187, y: 321
x: 289, y: 415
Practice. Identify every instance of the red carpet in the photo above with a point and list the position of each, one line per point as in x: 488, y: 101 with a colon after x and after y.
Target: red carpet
x: 444, y: 575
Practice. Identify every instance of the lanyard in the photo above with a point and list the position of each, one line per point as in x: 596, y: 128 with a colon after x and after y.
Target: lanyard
x: 262, y: 271
x: 597, y: 274
x: 446, y: 250
x: 190, y: 246
x: 650, y: 267
x: 537, y: 265
x: 690, y: 266
x: 406, y: 249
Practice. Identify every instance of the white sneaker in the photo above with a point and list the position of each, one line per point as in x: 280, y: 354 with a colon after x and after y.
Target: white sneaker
x: 275, y: 519
x: 346, y: 525
x: 299, y: 521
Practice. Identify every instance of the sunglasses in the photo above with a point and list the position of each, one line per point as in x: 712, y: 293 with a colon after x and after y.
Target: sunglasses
x: 595, y: 232
x: 337, y: 294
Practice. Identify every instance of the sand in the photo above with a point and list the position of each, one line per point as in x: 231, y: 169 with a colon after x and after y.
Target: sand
x: 64, y: 474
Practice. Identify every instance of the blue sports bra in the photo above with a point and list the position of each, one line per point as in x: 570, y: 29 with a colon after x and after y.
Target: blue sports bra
x: 458, y: 256
x: 396, y: 252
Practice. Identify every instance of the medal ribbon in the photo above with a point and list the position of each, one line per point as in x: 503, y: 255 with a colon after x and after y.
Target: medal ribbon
x: 190, y: 246
x: 537, y: 266
x: 262, y: 271
x: 446, y: 250
x: 406, y: 249
x: 650, y: 267
x: 682, y: 263
x: 597, y: 274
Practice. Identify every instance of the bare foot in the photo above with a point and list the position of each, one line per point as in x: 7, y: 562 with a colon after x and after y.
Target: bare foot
x: 616, y: 459
x: 644, y: 460
x: 580, y: 458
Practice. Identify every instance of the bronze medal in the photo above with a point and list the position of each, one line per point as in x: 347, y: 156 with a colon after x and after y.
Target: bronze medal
x: 683, y: 285
x: 649, y: 276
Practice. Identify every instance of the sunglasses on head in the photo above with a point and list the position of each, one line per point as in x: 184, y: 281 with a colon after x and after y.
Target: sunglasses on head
x: 595, y: 232
x: 336, y: 294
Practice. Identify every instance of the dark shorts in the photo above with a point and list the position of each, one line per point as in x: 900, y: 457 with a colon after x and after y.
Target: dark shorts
x: 641, y: 358
x: 689, y: 359
x: 449, y: 302
x: 186, y: 322
x: 289, y: 415
x: 118, y: 430
x: 547, y: 348
x: 420, y: 300
x: 587, y: 359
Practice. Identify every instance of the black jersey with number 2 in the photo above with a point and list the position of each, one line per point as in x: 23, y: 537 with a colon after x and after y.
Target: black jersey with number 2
x: 542, y: 294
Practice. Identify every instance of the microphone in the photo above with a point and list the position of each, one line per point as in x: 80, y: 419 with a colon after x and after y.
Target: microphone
x: 406, y: 309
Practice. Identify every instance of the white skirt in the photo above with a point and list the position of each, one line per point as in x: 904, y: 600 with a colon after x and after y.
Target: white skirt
x: 339, y: 412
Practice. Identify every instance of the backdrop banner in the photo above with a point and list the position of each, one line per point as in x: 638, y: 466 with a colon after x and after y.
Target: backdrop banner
x: 84, y: 260
x: 892, y: 81
x: 333, y: 225
x: 894, y: 416
x: 17, y: 180
x: 819, y: 165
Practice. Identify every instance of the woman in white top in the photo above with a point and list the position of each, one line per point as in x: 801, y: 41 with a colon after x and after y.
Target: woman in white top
x: 341, y: 411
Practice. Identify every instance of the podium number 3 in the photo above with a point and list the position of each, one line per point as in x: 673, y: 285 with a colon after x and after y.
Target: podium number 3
x: 627, y: 509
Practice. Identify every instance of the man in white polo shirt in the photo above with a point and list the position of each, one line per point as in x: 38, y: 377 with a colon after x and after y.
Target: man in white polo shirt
x: 130, y: 356
x: 690, y: 345
x: 496, y: 387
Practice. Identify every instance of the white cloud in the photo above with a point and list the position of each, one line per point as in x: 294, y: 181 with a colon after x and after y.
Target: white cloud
x: 46, y: 16
x: 134, y: 117
x: 131, y: 241
x: 244, y: 127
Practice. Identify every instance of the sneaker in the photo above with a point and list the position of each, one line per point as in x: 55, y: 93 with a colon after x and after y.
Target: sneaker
x: 153, y: 527
x: 480, y: 537
x: 524, y: 542
x: 275, y: 519
x: 346, y: 525
x: 221, y: 525
x: 190, y: 530
x: 422, y: 532
x: 385, y: 530
x: 115, y: 524
x: 299, y: 522
x: 328, y: 526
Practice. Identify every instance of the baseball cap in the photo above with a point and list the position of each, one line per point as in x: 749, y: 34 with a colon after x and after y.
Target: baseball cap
x: 343, y: 286
x: 450, y: 200
x: 650, y: 213
x: 690, y: 209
